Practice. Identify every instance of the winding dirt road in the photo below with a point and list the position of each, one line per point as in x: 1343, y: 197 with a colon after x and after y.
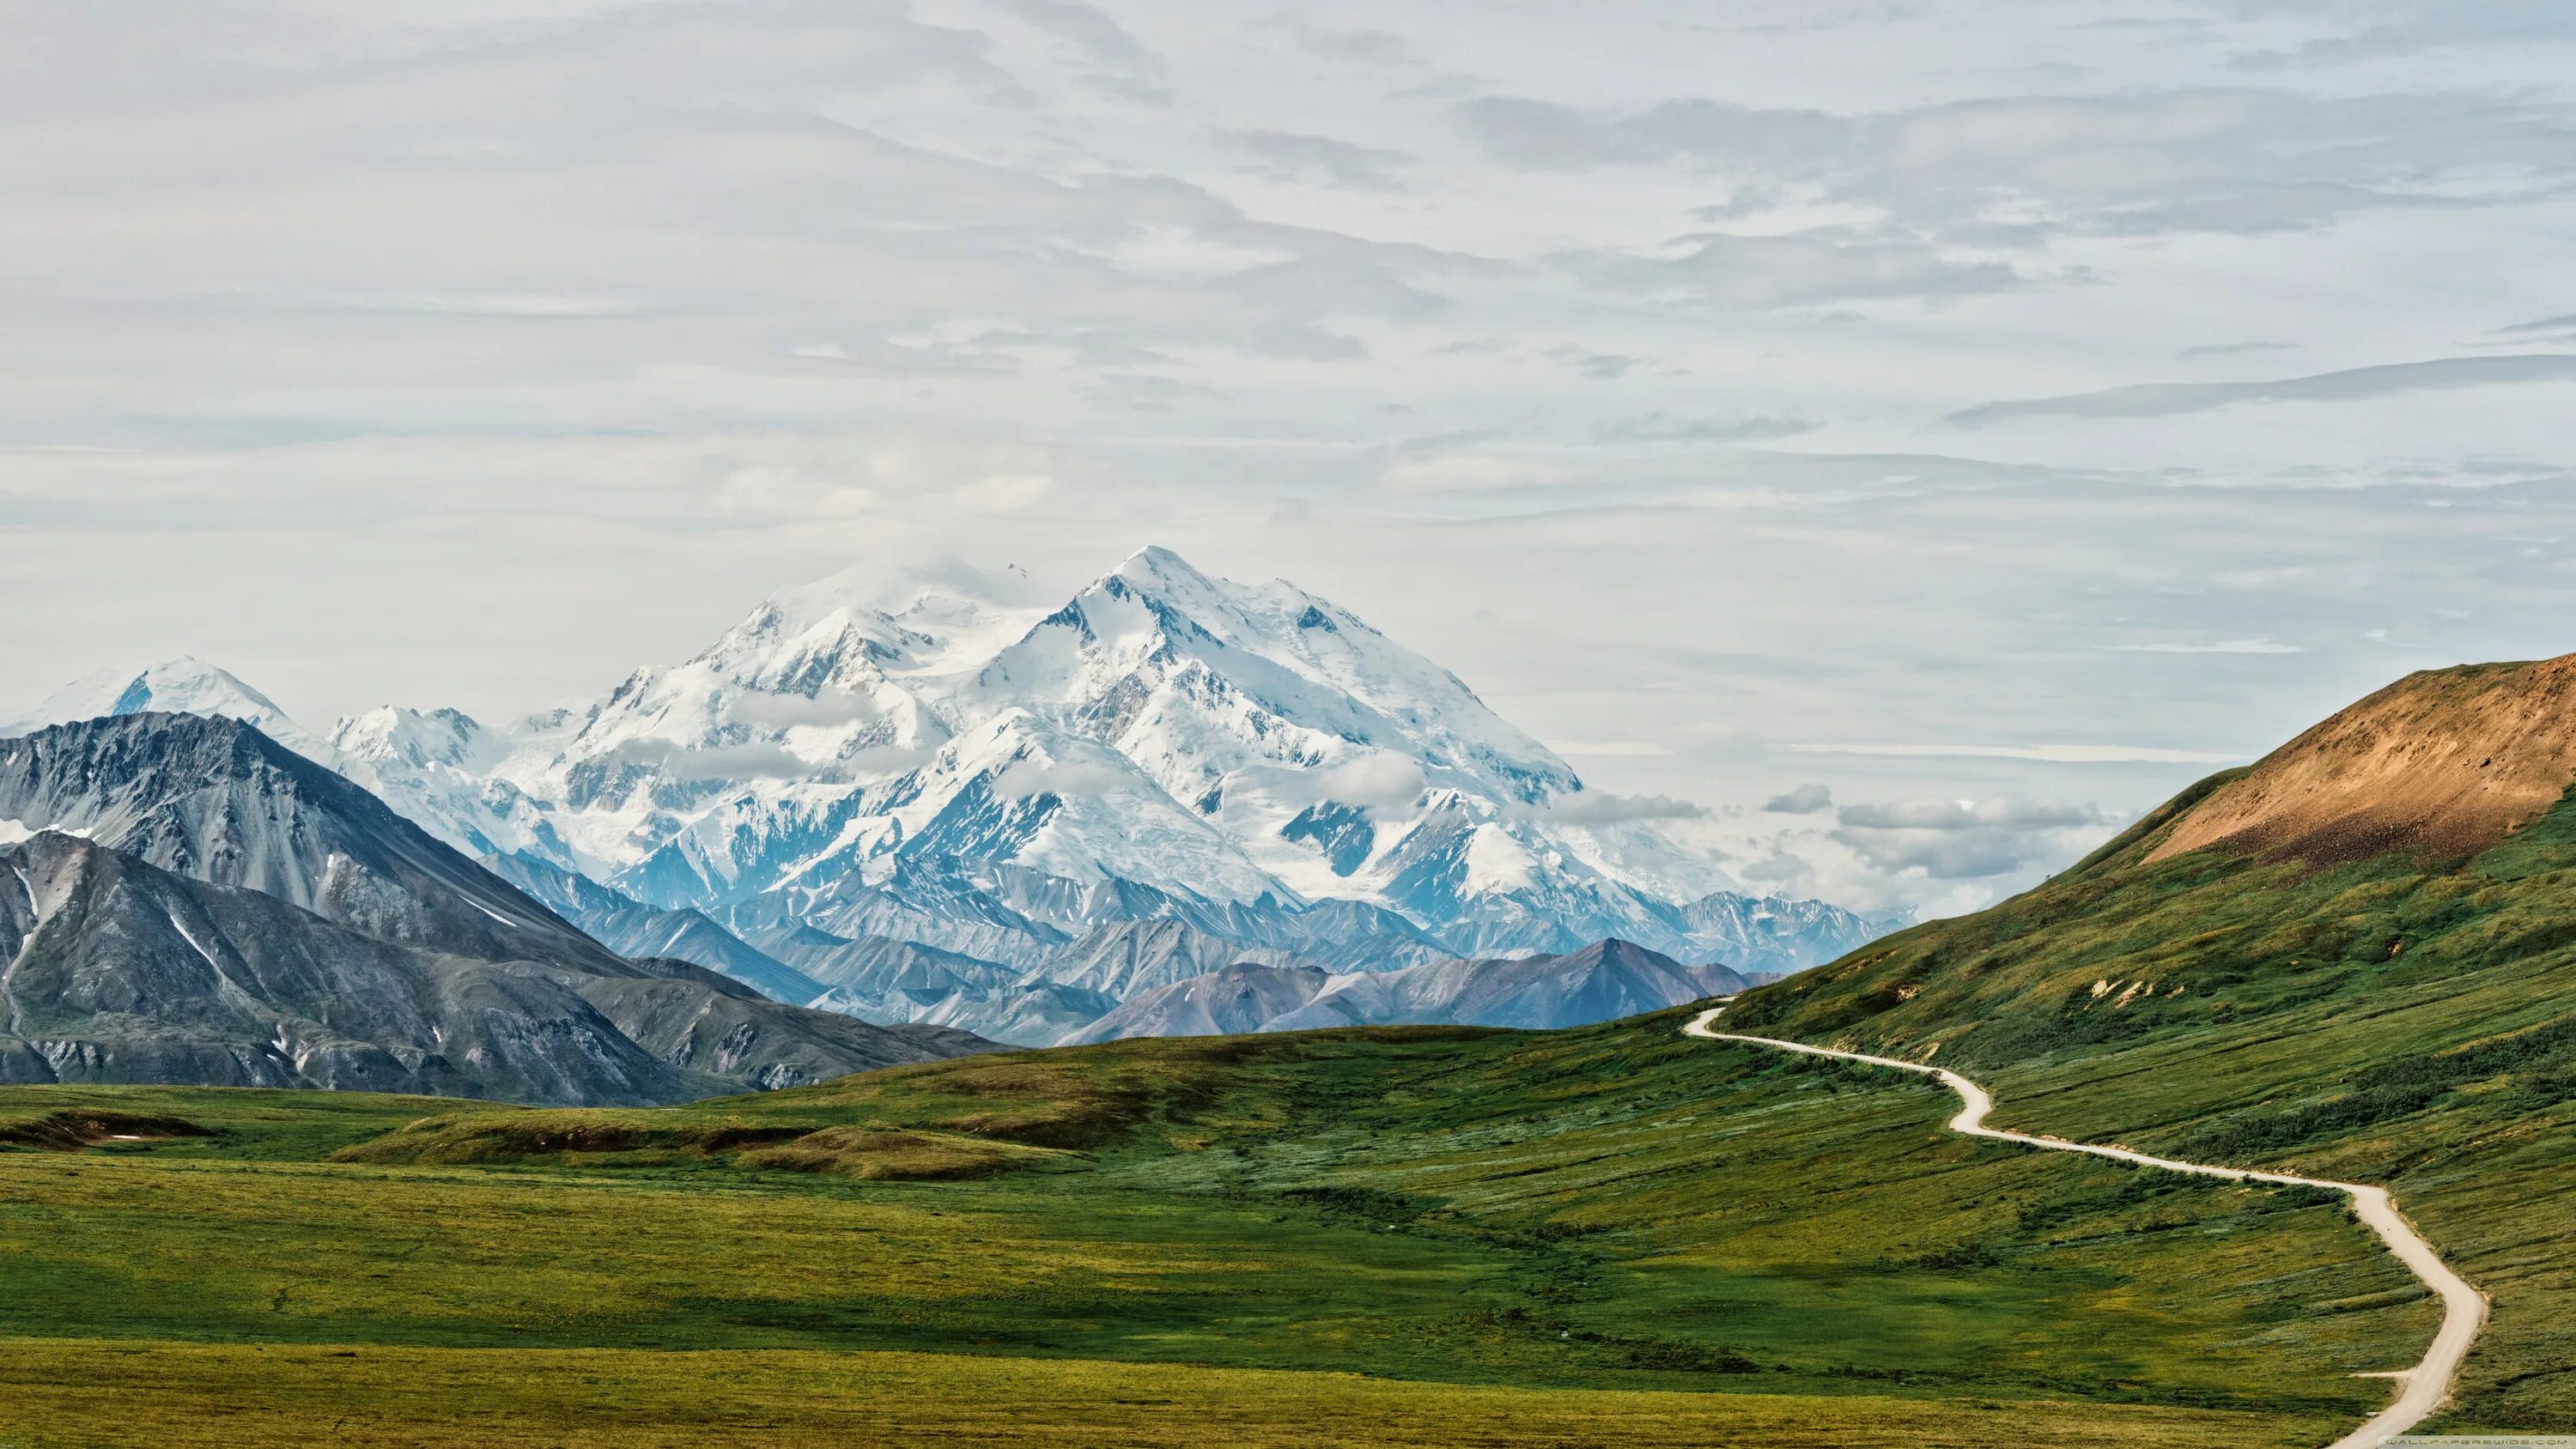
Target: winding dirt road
x: 2421, y: 1389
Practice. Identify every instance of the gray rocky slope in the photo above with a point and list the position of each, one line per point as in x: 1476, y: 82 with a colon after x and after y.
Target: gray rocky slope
x: 1601, y: 982
x: 360, y: 913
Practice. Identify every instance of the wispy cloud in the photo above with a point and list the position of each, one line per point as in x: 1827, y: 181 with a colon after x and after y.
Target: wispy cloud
x: 1297, y: 156
x: 2216, y: 646
x: 1602, y: 807
x: 2564, y: 322
x: 826, y: 708
x: 1077, y: 778
x: 1962, y: 839
x: 1808, y: 799
x: 2042, y: 754
x: 2235, y: 349
x: 2167, y: 399
x: 714, y: 762
x: 1126, y: 68
x: 1663, y: 427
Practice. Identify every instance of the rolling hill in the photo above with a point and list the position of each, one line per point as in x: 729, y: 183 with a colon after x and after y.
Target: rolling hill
x: 2356, y: 958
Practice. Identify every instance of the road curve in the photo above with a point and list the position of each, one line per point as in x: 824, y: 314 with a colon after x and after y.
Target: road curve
x: 2421, y: 1389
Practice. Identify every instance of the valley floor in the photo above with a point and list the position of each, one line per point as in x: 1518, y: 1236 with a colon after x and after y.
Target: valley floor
x: 1379, y: 1236
x: 86, y: 1392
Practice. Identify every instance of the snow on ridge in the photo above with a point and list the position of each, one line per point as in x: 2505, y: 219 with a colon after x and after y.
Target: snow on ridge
x: 181, y: 685
x: 1217, y: 741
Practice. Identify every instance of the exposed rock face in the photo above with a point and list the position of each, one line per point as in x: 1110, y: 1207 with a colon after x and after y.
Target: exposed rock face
x: 2447, y: 761
x: 1601, y: 982
x: 216, y: 800
x: 195, y: 903
x: 631, y: 928
x: 121, y: 972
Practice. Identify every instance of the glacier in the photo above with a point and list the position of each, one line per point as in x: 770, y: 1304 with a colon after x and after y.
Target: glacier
x: 945, y: 758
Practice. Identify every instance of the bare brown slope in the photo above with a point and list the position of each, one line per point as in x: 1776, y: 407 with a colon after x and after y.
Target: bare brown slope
x: 2448, y: 762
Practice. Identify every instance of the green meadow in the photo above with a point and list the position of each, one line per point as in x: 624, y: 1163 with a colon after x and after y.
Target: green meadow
x: 2395, y: 1019
x: 1403, y: 1235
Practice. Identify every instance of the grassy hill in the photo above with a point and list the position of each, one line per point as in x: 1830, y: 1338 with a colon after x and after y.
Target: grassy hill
x: 2357, y: 959
x: 1372, y: 1236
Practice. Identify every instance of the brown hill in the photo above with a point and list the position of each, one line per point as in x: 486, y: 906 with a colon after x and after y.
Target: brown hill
x: 2446, y: 762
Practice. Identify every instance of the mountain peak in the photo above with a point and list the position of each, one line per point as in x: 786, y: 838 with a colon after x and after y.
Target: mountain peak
x: 180, y: 685
x: 1154, y: 560
x: 927, y: 616
x: 895, y: 589
x: 1156, y: 573
x: 2447, y: 761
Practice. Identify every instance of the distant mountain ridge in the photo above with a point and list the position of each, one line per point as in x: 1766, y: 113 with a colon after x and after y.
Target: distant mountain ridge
x: 122, y: 972
x: 1601, y: 982
x: 330, y: 920
x: 951, y: 762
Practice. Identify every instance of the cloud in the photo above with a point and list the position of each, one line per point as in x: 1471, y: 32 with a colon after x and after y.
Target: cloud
x: 828, y: 708
x: 2235, y: 349
x: 2044, y: 754
x: 1380, y: 782
x: 1599, y: 366
x: 713, y: 762
x: 1804, y: 800
x: 481, y: 314
x: 1075, y: 778
x: 1600, y: 807
x: 1437, y: 473
x: 2015, y: 170
x: 1004, y: 492
x: 2168, y: 399
x: 525, y: 304
x: 1127, y: 68
x: 1663, y: 427
x: 878, y: 761
x: 2564, y: 322
x: 1800, y: 269
x: 2008, y: 812
x: 1376, y: 47
x: 1963, y: 839
x: 1296, y: 156
x: 2221, y: 646
x: 2560, y: 329
x: 1630, y: 749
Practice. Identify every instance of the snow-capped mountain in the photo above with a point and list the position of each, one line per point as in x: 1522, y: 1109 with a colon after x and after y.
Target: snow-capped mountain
x: 1215, y: 742
x: 174, y: 686
x: 954, y: 761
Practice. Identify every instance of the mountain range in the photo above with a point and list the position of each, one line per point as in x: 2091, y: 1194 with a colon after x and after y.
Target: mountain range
x: 1602, y: 982
x: 188, y: 900
x: 940, y: 797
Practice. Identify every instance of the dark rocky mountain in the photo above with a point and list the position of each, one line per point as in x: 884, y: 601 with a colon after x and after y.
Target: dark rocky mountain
x: 122, y: 972
x: 1122, y: 959
x: 632, y: 928
x: 216, y: 802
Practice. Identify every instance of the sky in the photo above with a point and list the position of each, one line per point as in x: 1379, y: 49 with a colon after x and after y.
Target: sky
x: 1920, y: 436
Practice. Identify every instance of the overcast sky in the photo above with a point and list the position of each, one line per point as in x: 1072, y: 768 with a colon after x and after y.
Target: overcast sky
x: 1923, y: 434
